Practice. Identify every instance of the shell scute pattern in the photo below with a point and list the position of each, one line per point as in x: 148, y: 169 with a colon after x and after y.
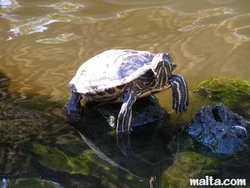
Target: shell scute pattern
x: 123, y: 67
x: 134, y: 66
x: 110, y: 90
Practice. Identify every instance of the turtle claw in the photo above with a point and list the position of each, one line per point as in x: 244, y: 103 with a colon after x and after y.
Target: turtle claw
x: 179, y: 93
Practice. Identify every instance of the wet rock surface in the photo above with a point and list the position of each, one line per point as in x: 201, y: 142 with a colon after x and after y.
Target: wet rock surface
x: 147, y: 117
x: 218, y: 130
x: 145, y: 111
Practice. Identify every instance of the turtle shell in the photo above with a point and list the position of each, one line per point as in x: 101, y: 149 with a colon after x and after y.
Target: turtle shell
x: 110, y: 69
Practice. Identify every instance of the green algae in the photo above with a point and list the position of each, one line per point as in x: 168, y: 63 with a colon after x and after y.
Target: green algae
x: 56, y: 160
x: 230, y: 91
x: 189, y: 165
x: 31, y: 183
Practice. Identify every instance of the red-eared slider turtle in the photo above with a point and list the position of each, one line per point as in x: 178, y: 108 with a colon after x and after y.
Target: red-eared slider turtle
x: 124, y: 76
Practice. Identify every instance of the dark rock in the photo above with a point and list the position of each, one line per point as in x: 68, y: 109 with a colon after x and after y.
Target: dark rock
x: 147, y: 117
x: 145, y: 111
x: 218, y: 130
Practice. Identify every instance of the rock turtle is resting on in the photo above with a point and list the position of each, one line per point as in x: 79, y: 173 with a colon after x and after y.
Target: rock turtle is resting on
x: 124, y: 76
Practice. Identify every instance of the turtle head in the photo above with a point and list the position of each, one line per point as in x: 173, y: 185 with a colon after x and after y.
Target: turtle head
x: 162, y: 68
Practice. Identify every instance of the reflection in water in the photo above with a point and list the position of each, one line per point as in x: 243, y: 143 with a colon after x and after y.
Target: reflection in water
x: 102, y: 155
x: 25, y: 119
x: 220, y: 2
x: 33, y: 25
x: 8, y: 5
x: 65, y: 6
x: 59, y: 39
x: 143, y: 149
x: 36, y: 142
x: 203, y: 17
x: 40, y: 24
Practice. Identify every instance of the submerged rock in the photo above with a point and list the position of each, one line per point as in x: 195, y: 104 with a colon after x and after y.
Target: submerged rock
x: 218, y: 130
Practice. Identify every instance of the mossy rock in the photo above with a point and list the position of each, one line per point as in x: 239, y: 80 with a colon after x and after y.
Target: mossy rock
x: 189, y: 165
x: 229, y: 91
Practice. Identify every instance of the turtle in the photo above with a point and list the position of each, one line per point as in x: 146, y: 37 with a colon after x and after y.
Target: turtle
x: 124, y: 75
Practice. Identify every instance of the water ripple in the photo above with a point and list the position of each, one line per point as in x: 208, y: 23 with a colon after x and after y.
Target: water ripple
x: 44, y: 62
x: 8, y: 5
x: 40, y: 24
x: 65, y: 6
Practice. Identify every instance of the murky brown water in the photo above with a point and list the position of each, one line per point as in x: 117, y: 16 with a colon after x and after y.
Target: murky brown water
x: 42, y: 43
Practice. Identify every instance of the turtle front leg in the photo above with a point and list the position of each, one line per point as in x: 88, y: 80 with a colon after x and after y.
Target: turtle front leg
x: 125, y: 114
x: 179, y: 93
x: 74, y: 108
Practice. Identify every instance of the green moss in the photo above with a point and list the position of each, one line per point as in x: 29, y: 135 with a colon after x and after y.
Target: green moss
x: 58, y: 161
x: 31, y: 183
x: 229, y: 91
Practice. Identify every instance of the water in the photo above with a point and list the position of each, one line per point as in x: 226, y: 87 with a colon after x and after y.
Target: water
x: 42, y: 43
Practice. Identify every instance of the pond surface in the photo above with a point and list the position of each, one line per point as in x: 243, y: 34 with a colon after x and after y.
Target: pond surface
x: 42, y: 44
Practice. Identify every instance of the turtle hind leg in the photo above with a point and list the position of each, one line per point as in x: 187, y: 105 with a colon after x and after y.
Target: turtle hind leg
x: 74, y: 108
x: 179, y: 93
x: 125, y: 114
